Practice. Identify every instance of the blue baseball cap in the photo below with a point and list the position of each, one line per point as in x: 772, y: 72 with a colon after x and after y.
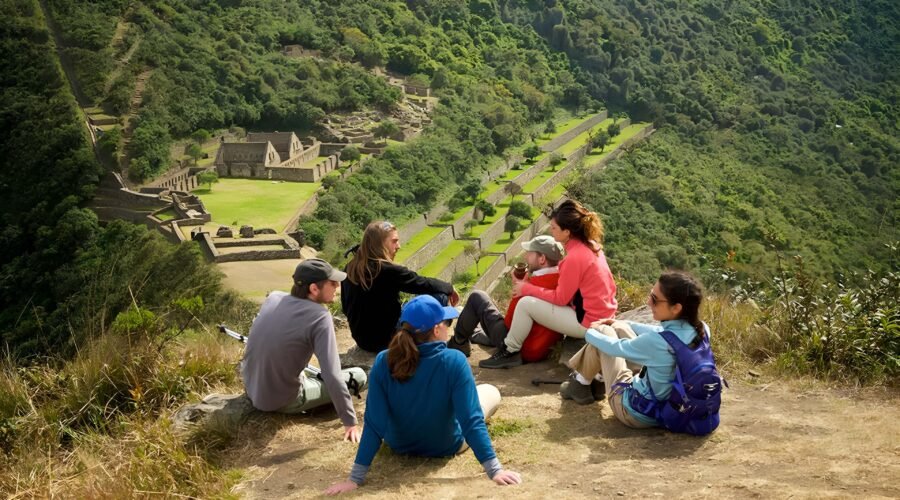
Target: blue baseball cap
x: 424, y: 312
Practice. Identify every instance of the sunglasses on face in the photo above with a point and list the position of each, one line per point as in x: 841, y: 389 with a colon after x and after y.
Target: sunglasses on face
x: 654, y: 300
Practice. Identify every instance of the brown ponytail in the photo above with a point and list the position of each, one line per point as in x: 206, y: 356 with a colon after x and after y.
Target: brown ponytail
x: 403, y: 352
x: 583, y: 224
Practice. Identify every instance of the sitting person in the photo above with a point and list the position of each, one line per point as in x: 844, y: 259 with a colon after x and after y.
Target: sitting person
x: 289, y: 329
x: 370, y: 296
x: 584, y: 280
x: 423, y: 400
x: 542, y: 254
x: 619, y: 350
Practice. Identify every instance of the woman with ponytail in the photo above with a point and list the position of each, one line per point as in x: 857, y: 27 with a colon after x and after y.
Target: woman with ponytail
x: 619, y: 349
x: 586, y: 290
x: 423, y: 400
x: 370, y: 296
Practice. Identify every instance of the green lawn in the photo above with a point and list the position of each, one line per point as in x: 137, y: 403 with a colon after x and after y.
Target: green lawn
x: 443, y: 259
x: 563, y: 127
x: 256, y: 202
x: 540, y: 179
x: 416, y: 242
x: 483, y: 264
x: 501, y: 207
x: 579, y: 140
x: 166, y: 215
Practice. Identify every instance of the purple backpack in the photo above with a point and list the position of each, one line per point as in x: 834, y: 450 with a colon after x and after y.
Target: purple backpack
x: 693, y: 404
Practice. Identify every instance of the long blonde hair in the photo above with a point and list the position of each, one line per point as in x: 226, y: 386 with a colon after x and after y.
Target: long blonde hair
x: 365, y: 265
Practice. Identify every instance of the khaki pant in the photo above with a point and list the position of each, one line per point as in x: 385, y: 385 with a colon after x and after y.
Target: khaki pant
x: 312, y: 392
x: 529, y: 310
x: 589, y: 361
x: 489, y: 398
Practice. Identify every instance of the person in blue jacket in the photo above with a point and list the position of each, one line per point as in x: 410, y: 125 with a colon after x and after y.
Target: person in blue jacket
x: 423, y: 400
x: 619, y: 349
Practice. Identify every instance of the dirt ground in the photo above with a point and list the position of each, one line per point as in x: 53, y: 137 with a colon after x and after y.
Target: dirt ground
x: 796, y: 439
x: 256, y: 278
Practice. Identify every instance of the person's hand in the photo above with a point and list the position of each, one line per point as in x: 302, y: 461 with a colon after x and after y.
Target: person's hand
x: 454, y: 298
x: 517, y: 286
x: 351, y: 433
x: 597, y: 324
x: 344, y: 487
x: 507, y: 477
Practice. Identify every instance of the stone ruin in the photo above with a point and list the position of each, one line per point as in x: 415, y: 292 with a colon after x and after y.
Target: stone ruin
x: 276, y: 156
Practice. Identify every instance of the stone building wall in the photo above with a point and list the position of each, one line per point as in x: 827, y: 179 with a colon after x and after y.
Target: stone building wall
x: 416, y: 90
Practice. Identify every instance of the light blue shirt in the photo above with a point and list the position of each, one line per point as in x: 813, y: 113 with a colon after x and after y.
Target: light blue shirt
x: 648, y: 349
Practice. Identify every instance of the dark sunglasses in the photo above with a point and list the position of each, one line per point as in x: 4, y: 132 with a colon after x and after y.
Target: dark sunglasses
x: 654, y: 300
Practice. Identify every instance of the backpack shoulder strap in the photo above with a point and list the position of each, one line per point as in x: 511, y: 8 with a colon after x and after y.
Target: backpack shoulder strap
x: 673, y: 340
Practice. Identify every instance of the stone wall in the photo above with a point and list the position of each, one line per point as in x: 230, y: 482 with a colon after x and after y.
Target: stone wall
x: 249, y: 255
x: 428, y: 252
x: 416, y: 225
x: 416, y: 90
x: 181, y: 180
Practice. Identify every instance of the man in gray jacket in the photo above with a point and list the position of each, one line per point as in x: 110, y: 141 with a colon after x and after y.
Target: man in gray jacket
x: 289, y: 329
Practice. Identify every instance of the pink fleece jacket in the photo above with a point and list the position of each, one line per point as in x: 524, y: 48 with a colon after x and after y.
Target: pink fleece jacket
x: 583, y: 270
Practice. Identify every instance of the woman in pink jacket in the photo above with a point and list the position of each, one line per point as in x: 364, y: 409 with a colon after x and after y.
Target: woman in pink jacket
x: 583, y: 275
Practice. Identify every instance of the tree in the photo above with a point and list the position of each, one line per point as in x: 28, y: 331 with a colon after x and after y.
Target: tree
x: 350, y: 154
x: 520, y: 209
x: 512, y: 225
x: 387, y: 128
x: 208, y: 177
x: 512, y: 189
x: 330, y: 180
x: 474, y: 252
x: 485, y: 209
x: 532, y: 151
x: 550, y: 127
x: 470, y: 225
x: 201, y: 135
x: 613, y: 130
x: 195, y: 152
x: 600, y: 140
x: 555, y: 159
x: 472, y: 189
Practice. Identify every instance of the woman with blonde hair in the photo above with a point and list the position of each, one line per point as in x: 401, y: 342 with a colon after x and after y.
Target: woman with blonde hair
x: 423, y: 400
x: 586, y: 290
x: 370, y: 296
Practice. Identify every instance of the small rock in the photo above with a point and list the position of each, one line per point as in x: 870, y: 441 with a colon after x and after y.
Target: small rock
x: 620, y: 493
x: 754, y: 373
x: 290, y: 486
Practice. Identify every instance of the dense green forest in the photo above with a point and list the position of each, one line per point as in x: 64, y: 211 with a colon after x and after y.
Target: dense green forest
x: 779, y: 130
x: 63, y: 278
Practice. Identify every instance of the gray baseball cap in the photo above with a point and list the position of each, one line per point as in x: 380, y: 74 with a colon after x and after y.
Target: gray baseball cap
x: 546, y: 245
x: 316, y: 270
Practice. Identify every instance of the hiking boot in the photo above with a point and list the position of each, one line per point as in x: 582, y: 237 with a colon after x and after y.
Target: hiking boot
x: 464, y: 347
x: 576, y: 391
x: 502, y: 359
x: 598, y: 389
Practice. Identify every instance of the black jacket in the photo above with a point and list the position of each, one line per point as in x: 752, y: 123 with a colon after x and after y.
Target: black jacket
x: 373, y: 313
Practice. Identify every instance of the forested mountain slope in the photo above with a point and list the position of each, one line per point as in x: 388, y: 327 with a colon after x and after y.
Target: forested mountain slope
x: 779, y: 129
